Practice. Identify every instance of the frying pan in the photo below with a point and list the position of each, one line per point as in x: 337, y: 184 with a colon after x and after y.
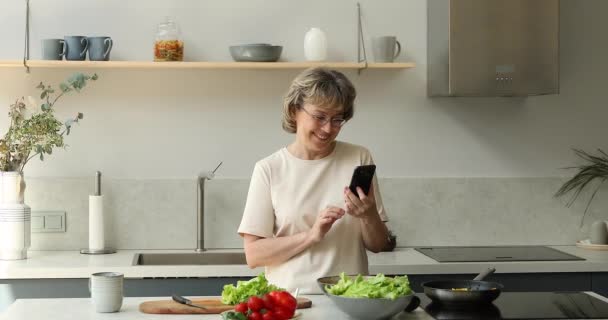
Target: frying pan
x: 463, y: 292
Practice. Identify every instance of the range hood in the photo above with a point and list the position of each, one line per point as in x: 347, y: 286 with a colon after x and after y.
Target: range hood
x: 493, y: 47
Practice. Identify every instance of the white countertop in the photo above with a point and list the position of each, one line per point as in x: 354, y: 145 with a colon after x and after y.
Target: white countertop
x: 82, y: 309
x: 72, y: 264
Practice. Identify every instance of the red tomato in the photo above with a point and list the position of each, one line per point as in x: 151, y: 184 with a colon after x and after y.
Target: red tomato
x: 281, y: 313
x: 241, y: 307
x: 269, y: 315
x: 255, y: 316
x: 255, y: 303
x: 268, y: 302
x: 274, y: 295
x: 286, y: 300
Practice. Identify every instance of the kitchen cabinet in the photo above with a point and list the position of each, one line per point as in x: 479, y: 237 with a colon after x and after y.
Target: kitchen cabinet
x: 148, y: 287
x: 599, y: 283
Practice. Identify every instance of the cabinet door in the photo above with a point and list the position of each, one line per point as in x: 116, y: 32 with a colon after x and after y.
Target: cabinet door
x: 599, y: 282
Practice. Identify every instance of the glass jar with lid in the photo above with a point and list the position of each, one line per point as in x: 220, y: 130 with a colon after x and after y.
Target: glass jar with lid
x: 168, y: 45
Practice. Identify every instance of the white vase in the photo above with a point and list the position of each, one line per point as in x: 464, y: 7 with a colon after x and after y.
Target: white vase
x: 315, y: 45
x: 15, y: 217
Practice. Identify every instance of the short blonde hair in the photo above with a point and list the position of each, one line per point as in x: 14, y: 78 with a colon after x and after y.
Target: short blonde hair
x: 326, y: 88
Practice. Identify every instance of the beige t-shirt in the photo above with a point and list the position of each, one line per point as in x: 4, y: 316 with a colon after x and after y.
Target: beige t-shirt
x: 285, y: 196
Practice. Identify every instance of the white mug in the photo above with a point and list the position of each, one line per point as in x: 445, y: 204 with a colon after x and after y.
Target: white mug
x: 106, y: 291
x: 599, y: 232
x: 385, y: 48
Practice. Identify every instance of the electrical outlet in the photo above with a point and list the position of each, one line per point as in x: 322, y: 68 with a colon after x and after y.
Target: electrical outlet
x: 48, y: 221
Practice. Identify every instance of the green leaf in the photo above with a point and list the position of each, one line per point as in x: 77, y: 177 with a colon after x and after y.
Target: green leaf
x: 40, y: 86
x: 64, y: 87
x: 80, y: 115
x: 94, y: 77
x: 41, y: 156
x: 43, y: 94
x: 45, y: 107
x: 376, y: 287
x: 233, y: 315
x: 257, y: 286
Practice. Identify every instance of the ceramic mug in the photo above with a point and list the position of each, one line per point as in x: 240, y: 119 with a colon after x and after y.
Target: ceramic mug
x: 99, y: 48
x: 599, y: 232
x: 76, y: 47
x: 53, y: 49
x: 385, y: 48
x: 106, y: 291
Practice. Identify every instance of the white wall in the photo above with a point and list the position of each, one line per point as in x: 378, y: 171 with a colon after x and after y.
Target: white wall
x: 173, y: 124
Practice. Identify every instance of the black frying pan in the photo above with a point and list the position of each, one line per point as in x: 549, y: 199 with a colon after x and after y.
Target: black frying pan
x: 463, y: 292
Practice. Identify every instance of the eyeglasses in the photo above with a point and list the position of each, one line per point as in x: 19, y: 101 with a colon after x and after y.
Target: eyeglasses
x: 322, y: 119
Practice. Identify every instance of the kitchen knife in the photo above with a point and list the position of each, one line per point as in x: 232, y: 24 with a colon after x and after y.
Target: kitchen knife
x: 186, y: 301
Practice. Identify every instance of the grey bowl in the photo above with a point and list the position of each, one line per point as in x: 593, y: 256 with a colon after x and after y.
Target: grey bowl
x: 365, y: 308
x: 257, y: 52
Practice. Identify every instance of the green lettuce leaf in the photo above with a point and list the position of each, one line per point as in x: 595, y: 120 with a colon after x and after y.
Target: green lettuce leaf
x: 376, y: 287
x: 257, y: 286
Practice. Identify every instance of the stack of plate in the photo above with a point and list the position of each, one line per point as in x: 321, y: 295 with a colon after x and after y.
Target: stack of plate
x: 15, y: 222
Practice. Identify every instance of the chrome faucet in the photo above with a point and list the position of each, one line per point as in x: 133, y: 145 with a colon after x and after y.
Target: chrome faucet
x: 200, y: 208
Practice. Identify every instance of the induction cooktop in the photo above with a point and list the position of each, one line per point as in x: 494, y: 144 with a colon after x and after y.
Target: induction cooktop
x: 525, y: 305
x: 494, y: 254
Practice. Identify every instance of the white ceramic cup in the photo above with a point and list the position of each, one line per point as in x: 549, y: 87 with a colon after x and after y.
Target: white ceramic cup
x: 106, y: 291
x: 599, y: 232
x: 385, y: 48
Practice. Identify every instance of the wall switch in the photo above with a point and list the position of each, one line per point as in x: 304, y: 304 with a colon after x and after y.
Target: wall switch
x: 48, y: 221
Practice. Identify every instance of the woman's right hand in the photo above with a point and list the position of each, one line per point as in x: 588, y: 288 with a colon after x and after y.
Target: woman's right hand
x: 325, y: 219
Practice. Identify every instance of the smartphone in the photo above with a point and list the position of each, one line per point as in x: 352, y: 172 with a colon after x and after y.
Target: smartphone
x: 362, y: 178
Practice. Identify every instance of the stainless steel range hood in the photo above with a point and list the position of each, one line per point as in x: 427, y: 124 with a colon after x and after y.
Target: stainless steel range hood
x: 493, y: 47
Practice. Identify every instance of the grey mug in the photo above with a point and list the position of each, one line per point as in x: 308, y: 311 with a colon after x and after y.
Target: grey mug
x: 385, y: 48
x: 76, y: 47
x: 106, y: 291
x: 99, y: 48
x: 53, y: 49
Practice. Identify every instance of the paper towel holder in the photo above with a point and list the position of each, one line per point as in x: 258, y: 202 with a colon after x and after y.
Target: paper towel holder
x: 97, y: 193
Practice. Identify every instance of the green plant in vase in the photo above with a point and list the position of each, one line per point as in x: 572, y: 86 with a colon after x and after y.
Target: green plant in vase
x: 595, y: 168
x: 29, y: 135
x: 37, y: 134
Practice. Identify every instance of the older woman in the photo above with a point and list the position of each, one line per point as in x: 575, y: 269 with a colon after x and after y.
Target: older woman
x: 301, y: 221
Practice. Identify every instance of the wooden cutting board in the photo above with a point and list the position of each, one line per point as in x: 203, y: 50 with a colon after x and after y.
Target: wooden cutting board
x: 213, y: 305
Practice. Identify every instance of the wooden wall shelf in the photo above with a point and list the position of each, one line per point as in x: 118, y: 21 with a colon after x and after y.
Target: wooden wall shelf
x: 49, y: 64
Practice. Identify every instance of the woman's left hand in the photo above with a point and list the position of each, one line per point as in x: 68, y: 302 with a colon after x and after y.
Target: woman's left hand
x: 363, y: 206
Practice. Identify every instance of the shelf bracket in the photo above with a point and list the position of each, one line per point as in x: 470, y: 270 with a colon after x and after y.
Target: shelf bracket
x: 360, y: 41
x: 26, y: 46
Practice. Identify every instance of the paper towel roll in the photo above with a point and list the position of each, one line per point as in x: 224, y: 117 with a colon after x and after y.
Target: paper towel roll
x: 96, y: 221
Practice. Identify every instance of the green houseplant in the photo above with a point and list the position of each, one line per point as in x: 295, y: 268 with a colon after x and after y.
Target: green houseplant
x: 595, y: 168
x: 37, y: 134
x: 29, y: 135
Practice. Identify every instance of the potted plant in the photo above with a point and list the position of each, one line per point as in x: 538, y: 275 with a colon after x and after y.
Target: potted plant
x: 595, y: 168
x: 29, y: 135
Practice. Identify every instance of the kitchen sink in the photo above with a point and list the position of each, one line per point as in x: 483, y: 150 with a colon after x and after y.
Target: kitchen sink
x: 191, y: 258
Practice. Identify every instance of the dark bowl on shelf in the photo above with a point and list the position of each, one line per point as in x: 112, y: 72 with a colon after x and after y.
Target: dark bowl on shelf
x: 256, y: 52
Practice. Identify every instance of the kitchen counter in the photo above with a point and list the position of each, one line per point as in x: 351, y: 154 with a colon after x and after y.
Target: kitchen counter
x: 72, y: 264
x: 82, y: 308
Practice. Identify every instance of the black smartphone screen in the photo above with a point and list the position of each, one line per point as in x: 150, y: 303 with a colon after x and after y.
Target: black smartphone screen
x: 362, y: 178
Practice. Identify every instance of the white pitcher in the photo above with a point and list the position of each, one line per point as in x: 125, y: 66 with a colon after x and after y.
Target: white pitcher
x: 15, y: 217
x: 315, y: 45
